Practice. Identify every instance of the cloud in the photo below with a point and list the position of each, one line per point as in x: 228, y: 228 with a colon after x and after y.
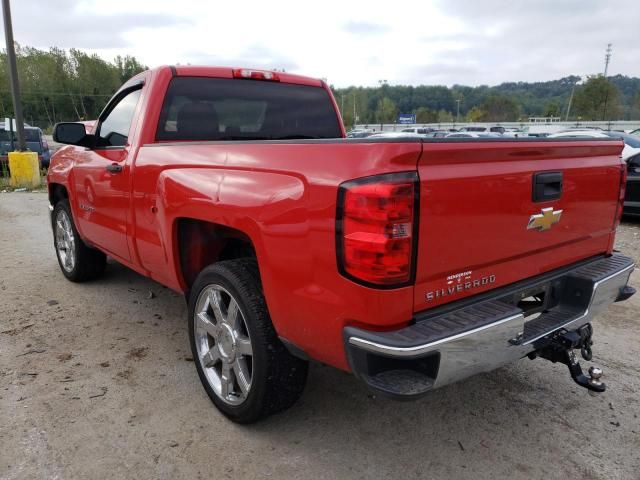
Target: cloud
x: 440, y: 73
x: 546, y: 40
x: 441, y: 41
x: 365, y: 28
x: 65, y: 24
x: 257, y: 56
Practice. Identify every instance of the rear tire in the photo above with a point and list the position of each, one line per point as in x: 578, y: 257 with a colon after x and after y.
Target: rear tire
x: 244, y: 367
x: 77, y: 261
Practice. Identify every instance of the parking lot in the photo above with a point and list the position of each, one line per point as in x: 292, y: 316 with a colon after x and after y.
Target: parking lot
x: 97, y: 381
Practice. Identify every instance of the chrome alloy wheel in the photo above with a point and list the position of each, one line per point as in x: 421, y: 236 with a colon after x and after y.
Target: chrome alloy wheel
x: 223, y: 344
x: 65, y: 241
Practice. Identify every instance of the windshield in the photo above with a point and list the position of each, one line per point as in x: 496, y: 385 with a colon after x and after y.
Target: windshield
x: 234, y: 109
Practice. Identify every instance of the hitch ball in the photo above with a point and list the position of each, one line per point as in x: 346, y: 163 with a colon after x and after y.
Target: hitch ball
x: 595, y: 373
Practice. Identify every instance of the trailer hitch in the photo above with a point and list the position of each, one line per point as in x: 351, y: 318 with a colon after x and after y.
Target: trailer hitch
x: 560, y: 349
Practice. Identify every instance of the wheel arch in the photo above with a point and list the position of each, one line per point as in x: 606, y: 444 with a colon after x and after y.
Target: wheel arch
x: 57, y: 192
x: 199, y: 243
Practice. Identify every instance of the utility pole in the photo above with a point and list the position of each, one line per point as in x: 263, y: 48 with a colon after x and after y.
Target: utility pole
x: 457, y: 110
x: 607, y: 59
x: 13, y: 75
x: 355, y: 116
x: 382, y: 84
x: 573, y: 90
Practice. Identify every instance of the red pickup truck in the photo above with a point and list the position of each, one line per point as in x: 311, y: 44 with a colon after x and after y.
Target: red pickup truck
x: 412, y: 263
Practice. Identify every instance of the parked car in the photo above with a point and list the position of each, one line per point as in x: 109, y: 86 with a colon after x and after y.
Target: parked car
x: 395, y: 135
x: 632, y: 192
x: 630, y: 154
x: 360, y: 133
x: 631, y: 142
x: 635, y: 132
x: 411, y: 263
x: 418, y: 130
x: 36, y: 142
x: 473, y: 134
x: 475, y: 128
x: 514, y: 132
x: 437, y: 134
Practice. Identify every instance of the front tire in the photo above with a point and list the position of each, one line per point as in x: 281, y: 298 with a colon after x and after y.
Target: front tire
x: 77, y: 261
x: 245, y: 369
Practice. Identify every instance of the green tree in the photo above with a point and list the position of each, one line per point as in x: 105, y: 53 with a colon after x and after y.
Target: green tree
x: 128, y: 67
x: 387, y: 112
x: 444, y: 116
x: 476, y: 114
x: 635, y: 107
x: 500, y: 108
x: 598, y: 99
x: 59, y: 85
x: 426, y: 115
x: 551, y: 109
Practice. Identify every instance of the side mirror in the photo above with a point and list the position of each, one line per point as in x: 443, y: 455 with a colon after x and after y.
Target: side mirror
x: 71, y: 134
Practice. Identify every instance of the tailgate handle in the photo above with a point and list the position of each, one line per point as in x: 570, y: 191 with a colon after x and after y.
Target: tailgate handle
x: 547, y: 186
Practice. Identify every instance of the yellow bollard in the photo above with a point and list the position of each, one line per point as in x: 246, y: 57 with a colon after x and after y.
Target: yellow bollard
x: 25, y: 169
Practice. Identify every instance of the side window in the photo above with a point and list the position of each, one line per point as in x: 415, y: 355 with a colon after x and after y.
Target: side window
x: 114, y: 130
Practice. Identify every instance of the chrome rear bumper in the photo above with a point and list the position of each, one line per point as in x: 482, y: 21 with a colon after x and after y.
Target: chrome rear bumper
x: 484, y: 335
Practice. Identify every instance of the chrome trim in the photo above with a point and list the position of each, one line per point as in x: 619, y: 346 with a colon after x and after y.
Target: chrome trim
x: 426, y: 348
x: 491, y: 346
x: 223, y: 344
x: 587, y: 314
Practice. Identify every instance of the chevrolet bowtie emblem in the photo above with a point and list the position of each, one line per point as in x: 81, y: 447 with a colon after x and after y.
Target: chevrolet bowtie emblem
x: 543, y: 221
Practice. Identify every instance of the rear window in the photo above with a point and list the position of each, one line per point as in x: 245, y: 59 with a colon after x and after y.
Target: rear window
x: 234, y: 109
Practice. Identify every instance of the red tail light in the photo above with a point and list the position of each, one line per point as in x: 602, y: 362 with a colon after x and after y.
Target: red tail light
x: 255, y: 74
x: 376, y: 229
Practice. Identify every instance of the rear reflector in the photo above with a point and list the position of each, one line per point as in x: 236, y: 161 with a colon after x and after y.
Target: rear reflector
x: 255, y: 74
x: 376, y: 228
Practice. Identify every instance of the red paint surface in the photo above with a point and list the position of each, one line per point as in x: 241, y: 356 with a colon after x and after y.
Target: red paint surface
x: 475, y: 203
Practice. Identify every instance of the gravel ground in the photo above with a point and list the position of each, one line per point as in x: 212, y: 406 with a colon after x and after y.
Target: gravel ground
x: 96, y: 381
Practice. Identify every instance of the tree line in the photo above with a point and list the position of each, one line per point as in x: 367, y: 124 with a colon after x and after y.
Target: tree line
x: 60, y: 85
x: 596, y: 98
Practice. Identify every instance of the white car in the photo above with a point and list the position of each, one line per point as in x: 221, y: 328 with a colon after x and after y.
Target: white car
x: 395, y: 135
x: 417, y: 130
x: 462, y: 134
x: 631, y: 142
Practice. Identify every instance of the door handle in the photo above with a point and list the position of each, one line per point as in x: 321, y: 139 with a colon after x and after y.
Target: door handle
x: 547, y: 186
x: 114, y: 168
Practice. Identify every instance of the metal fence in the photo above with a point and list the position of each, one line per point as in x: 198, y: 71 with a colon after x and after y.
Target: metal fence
x: 605, y: 125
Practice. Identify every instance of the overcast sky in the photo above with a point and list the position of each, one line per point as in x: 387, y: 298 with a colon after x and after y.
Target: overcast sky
x: 468, y: 42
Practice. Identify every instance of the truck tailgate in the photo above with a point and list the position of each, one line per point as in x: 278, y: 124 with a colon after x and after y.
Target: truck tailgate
x: 476, y: 229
